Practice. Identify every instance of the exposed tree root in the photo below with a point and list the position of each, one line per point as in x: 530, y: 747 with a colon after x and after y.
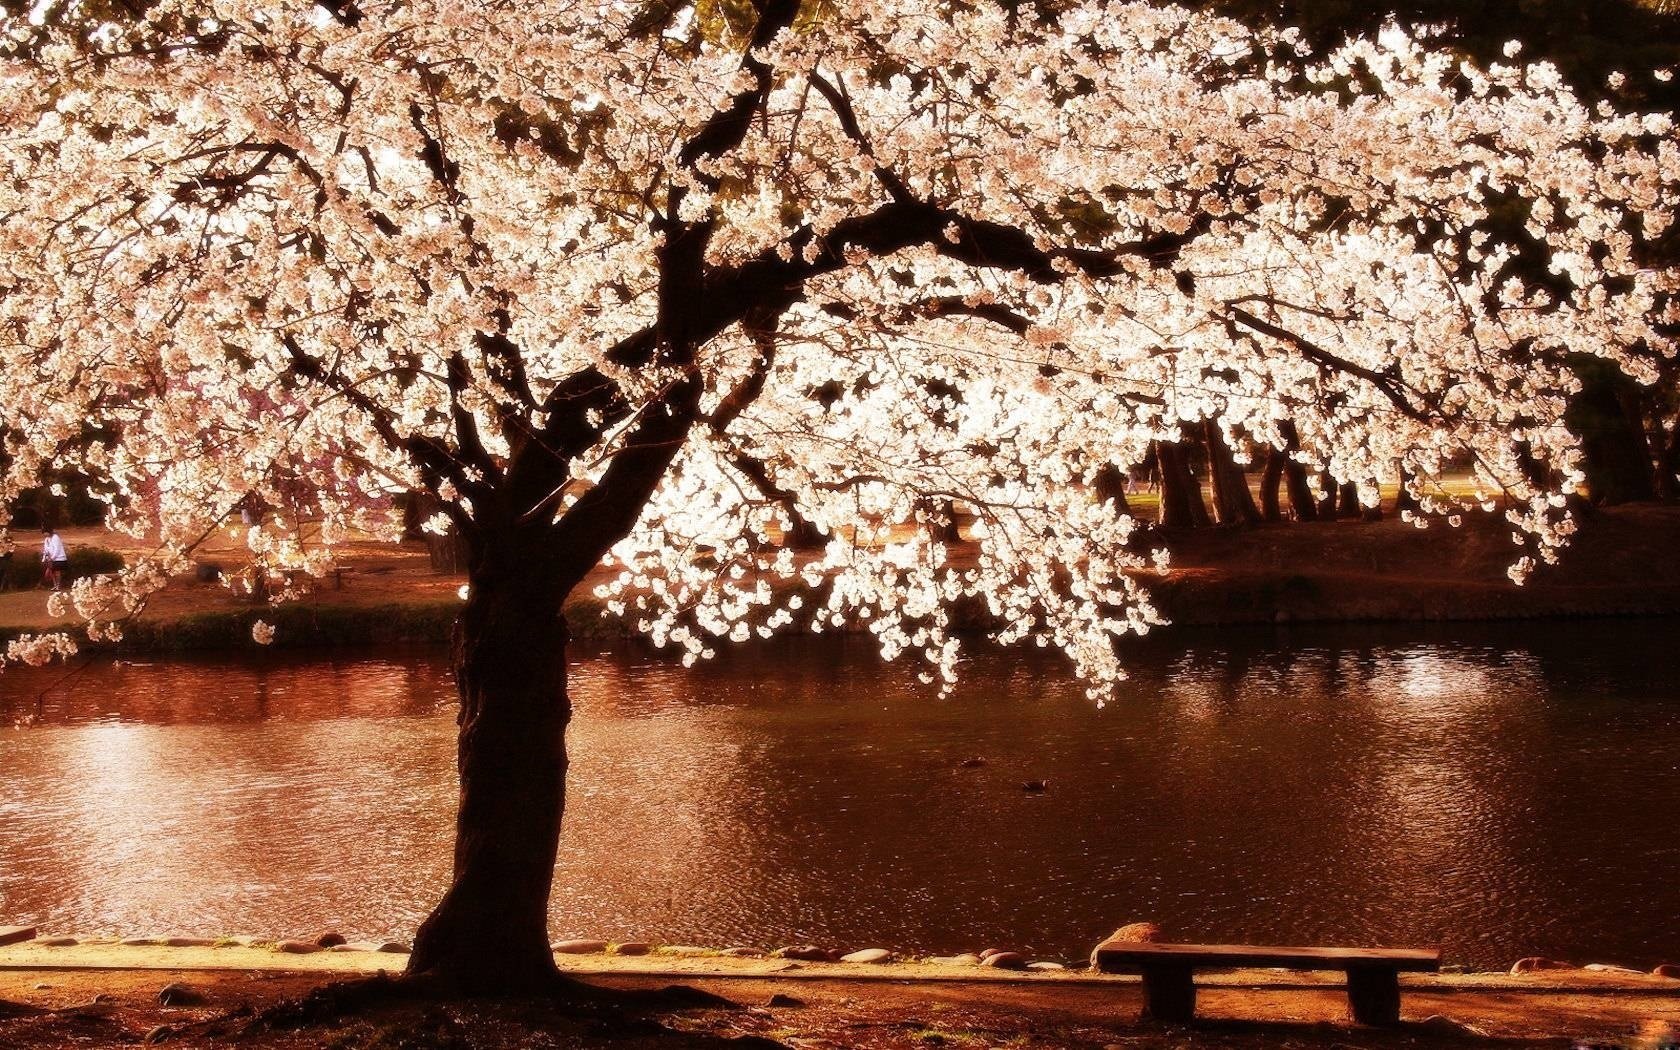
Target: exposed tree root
x: 604, y: 1013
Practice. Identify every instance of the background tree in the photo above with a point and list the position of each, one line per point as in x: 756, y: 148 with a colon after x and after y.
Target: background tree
x: 569, y: 268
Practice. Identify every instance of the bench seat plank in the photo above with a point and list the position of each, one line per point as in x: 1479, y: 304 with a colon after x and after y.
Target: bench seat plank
x: 1127, y: 956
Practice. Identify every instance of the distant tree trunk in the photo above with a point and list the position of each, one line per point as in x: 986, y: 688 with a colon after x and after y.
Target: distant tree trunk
x: 944, y: 525
x: 490, y: 933
x: 1233, y: 504
x: 1405, y: 501
x: 411, y: 503
x: 1181, y: 493
x: 1110, y: 484
x: 1271, y: 481
x: 1326, y: 504
x: 1668, y: 465
x: 1295, y: 480
x: 1347, y: 500
x: 1375, y: 511
x: 1299, y: 487
x: 1606, y: 415
x: 447, y: 552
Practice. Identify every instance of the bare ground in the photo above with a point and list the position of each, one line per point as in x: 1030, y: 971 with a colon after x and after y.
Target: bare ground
x: 821, y: 1009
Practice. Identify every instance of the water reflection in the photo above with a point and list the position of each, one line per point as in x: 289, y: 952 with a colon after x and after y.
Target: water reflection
x: 1500, y: 791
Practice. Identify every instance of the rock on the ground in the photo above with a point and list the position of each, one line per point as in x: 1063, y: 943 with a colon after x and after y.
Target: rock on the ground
x: 178, y: 994
x: 742, y: 953
x: 631, y: 948
x: 330, y: 939
x: 578, y: 946
x: 1045, y: 966
x: 778, y: 999
x: 1533, y: 963
x: 802, y: 952
x: 394, y: 948
x: 868, y: 955
x: 297, y: 947
x: 58, y: 942
x: 1667, y: 970
x: 141, y: 942
x: 1005, y: 961
x: 1612, y: 968
x: 188, y: 942
x: 1147, y: 932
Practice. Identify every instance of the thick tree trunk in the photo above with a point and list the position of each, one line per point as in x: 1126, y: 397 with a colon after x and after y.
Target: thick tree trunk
x: 1110, y: 484
x: 490, y: 933
x: 1271, y: 482
x: 1347, y: 500
x: 1606, y: 415
x: 1299, y: 487
x: 1181, y: 493
x: 1405, y: 500
x: 1325, y: 507
x: 1295, y: 481
x: 1232, y: 502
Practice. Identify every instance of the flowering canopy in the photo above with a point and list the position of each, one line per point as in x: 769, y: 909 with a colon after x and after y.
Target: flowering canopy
x: 853, y: 260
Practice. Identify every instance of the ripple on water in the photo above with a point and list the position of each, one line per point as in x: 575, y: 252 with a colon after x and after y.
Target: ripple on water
x: 1370, y: 786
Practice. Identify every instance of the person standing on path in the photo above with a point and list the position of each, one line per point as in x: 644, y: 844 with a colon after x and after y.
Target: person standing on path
x: 54, y: 558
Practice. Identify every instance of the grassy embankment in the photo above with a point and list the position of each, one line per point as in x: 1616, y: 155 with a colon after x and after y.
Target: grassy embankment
x: 1624, y: 562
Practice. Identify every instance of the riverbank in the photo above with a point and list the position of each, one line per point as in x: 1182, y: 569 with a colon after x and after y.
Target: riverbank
x: 101, y: 996
x: 1622, y: 563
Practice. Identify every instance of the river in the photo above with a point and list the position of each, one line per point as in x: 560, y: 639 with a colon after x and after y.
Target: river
x: 1498, y: 790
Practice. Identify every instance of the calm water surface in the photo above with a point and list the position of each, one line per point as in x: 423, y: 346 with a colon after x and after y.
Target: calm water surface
x: 1500, y: 791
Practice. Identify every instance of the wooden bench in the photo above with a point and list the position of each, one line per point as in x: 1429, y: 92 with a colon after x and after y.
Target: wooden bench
x: 1169, y: 987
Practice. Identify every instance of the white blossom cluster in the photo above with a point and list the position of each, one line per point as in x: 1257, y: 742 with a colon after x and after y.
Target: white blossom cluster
x: 289, y: 251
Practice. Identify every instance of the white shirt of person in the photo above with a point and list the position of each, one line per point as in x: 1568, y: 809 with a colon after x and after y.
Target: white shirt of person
x: 52, y: 549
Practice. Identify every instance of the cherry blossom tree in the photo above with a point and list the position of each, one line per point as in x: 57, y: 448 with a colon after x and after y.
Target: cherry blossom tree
x: 652, y: 285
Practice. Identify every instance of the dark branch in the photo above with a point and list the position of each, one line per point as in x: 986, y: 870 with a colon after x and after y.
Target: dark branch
x: 1389, y: 383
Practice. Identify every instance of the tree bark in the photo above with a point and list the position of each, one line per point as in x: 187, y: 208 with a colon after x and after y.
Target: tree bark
x: 1325, y: 507
x: 1271, y: 481
x: 1347, y: 500
x: 1181, y: 493
x: 1405, y: 500
x: 490, y: 933
x: 1110, y: 484
x: 1232, y: 502
x: 1606, y: 415
x: 943, y: 525
x: 1295, y: 479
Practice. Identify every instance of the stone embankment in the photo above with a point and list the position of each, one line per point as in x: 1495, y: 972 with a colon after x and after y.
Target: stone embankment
x: 581, y: 949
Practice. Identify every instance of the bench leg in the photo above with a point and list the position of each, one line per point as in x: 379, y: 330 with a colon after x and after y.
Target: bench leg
x: 1169, y: 994
x: 1374, y: 994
